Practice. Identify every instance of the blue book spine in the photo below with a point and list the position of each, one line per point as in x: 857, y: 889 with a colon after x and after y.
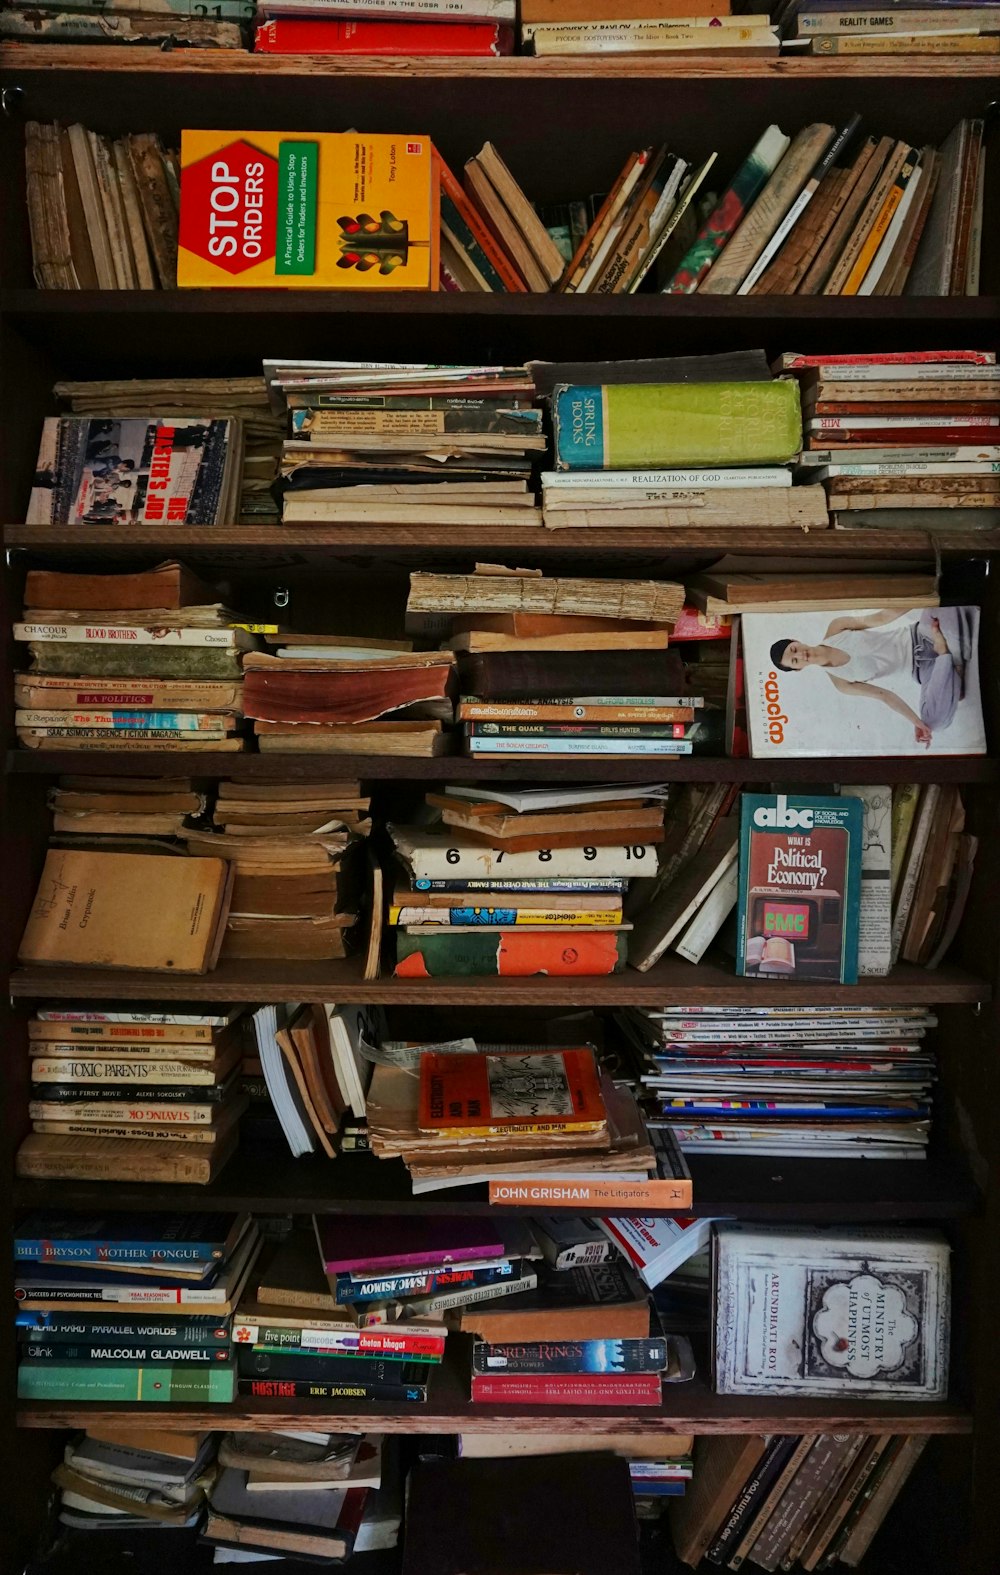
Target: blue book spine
x: 644, y: 1487
x: 578, y: 885
x: 578, y: 420
x: 187, y: 1254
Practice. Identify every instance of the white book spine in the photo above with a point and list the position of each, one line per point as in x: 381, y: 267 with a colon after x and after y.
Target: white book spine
x: 710, y: 917
x: 626, y: 480
x: 127, y: 634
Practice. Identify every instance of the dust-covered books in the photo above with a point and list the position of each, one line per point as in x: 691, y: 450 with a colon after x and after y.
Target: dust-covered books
x: 145, y: 470
x: 863, y: 682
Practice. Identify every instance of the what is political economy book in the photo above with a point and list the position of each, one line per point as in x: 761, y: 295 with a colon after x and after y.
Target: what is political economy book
x: 800, y: 887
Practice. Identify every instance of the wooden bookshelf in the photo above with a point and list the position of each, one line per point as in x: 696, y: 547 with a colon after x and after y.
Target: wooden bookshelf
x: 548, y: 118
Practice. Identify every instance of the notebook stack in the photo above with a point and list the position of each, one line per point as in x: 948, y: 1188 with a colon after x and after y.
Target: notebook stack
x: 782, y: 1500
x: 528, y: 650
x: 135, y: 814
x: 479, y: 28
x: 343, y: 694
x: 395, y: 444
x: 129, y: 661
x: 817, y: 1082
x: 243, y: 399
x: 905, y: 441
x: 677, y: 454
x: 122, y: 1484
x: 119, y: 1095
x: 130, y: 1308
x: 103, y: 214
x: 829, y: 212
x: 589, y: 1145
x: 313, y: 1064
x: 304, y: 1495
x: 294, y: 850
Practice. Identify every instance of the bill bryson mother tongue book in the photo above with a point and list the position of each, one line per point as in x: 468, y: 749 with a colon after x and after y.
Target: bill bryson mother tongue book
x: 830, y: 1311
x: 800, y: 887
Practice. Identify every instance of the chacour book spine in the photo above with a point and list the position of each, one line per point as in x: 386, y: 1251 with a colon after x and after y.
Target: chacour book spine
x: 130, y: 634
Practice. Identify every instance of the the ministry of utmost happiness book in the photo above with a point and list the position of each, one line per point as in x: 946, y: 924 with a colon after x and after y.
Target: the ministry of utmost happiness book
x: 331, y: 210
x: 863, y: 681
x: 831, y: 1311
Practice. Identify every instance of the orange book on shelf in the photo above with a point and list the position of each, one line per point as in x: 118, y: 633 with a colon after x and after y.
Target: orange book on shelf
x: 492, y: 1094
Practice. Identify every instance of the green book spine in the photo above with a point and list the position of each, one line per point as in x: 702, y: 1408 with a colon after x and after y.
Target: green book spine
x: 591, y: 955
x: 746, y: 186
x: 628, y: 426
x: 133, y: 661
x: 121, y: 1381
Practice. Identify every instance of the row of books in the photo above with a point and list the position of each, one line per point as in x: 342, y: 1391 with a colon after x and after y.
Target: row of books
x: 376, y: 1299
x: 825, y: 211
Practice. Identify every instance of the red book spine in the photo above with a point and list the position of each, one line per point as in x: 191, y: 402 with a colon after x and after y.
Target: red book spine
x: 896, y: 437
x: 569, y: 1389
x: 888, y: 358
x: 301, y: 36
x: 381, y: 1343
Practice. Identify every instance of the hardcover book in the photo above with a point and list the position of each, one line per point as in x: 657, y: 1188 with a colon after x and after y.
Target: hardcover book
x: 831, y: 1312
x: 635, y: 426
x: 863, y: 682
x: 330, y: 210
x: 800, y: 887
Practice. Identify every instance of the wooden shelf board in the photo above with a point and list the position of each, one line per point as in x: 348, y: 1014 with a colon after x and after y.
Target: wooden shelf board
x: 687, y: 1408
x: 672, y: 977
x: 471, y: 540
x: 278, y: 303
x: 967, y: 769
x: 222, y: 64
x: 264, y: 1177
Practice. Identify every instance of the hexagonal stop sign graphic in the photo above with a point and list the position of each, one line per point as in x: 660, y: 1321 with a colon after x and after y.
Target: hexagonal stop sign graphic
x: 229, y: 207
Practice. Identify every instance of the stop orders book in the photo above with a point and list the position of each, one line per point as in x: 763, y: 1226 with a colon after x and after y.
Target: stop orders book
x: 800, y: 887
x: 331, y: 210
x: 863, y: 682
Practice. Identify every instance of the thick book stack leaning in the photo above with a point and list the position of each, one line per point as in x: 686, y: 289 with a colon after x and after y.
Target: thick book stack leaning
x: 239, y: 399
x: 178, y: 23
x: 129, y: 662
x: 779, y: 1500
x: 316, y: 1496
x: 395, y: 444
x: 296, y: 852
x: 120, y: 1095
x: 542, y: 1127
x: 102, y: 213
x: 711, y: 450
x: 527, y: 648
x: 415, y: 28
x: 513, y: 852
x: 346, y: 694
x: 807, y: 1082
x: 842, y: 27
x: 131, y: 1308
x: 312, y: 1062
x: 123, y: 1481
x: 906, y: 441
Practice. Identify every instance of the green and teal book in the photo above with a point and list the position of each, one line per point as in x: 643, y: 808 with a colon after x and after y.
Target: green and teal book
x: 744, y: 189
x: 588, y: 954
x: 625, y: 426
x: 117, y: 1382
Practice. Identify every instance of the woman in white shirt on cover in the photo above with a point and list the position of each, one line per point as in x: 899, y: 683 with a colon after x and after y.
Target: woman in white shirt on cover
x: 857, y: 651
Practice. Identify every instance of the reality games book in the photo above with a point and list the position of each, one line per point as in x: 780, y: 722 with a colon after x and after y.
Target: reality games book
x: 800, y: 887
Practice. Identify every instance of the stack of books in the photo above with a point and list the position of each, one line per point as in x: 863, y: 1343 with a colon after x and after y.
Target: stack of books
x: 103, y: 214
x: 781, y: 1500
x: 807, y: 1082
x: 294, y: 852
x: 243, y: 399
x: 839, y: 27
x: 312, y: 1061
x: 130, y: 1095
x: 138, y: 813
x: 651, y: 453
x: 53, y: 22
x: 316, y: 1496
x: 659, y: 1465
x: 589, y: 1146
x: 125, y: 1484
x: 129, y: 661
x: 524, y: 642
x: 903, y: 441
x: 422, y: 29
x: 395, y: 444
x: 344, y: 694
x: 513, y: 852
x: 130, y: 1308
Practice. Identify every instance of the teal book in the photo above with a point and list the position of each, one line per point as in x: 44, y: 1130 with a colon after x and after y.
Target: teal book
x: 638, y: 426
x: 800, y: 887
x: 465, y: 238
x: 118, y: 1382
x: 593, y: 954
x: 746, y: 186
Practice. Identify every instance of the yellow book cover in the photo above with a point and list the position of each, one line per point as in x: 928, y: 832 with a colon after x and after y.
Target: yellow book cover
x: 330, y: 210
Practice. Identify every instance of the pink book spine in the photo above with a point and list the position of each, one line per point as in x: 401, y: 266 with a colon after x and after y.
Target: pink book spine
x: 426, y: 1259
x: 568, y: 1389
